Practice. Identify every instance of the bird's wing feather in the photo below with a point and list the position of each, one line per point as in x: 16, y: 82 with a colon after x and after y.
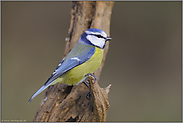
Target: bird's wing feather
x: 72, y: 60
x: 69, y: 64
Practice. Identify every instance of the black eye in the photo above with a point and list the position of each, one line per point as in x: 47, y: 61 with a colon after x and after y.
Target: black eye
x: 99, y: 36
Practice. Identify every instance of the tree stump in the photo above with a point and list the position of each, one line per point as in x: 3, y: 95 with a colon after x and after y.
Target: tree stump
x: 64, y: 103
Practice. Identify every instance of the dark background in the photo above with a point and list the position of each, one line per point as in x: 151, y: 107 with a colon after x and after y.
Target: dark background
x: 143, y: 63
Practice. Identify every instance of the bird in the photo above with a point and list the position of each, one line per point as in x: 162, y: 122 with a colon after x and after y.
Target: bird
x: 82, y: 60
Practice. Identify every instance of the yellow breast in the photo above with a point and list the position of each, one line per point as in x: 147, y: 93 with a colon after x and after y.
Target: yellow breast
x: 73, y: 76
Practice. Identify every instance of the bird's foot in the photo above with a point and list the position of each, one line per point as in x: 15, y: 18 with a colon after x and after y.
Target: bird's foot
x: 86, y: 82
x: 88, y: 95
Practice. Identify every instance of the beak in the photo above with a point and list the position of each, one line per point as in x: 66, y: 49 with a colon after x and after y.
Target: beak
x: 108, y: 38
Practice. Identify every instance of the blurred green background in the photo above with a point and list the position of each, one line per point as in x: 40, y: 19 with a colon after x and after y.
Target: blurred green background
x: 143, y: 63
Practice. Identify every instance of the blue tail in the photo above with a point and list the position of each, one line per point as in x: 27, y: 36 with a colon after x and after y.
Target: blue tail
x: 39, y: 91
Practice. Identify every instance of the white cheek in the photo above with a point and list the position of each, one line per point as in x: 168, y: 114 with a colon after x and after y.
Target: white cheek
x: 100, y: 42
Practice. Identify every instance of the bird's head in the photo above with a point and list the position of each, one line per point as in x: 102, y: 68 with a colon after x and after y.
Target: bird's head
x: 95, y: 37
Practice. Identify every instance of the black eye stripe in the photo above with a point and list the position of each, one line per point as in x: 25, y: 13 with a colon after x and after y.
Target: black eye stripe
x: 99, y: 36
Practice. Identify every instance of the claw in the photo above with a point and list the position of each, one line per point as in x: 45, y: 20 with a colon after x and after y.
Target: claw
x: 86, y: 82
x: 88, y: 95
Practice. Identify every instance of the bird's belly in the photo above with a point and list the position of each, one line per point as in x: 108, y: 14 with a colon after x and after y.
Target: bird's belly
x: 74, y: 76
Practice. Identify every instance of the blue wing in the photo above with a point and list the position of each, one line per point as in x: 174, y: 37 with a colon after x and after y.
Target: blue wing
x: 68, y: 63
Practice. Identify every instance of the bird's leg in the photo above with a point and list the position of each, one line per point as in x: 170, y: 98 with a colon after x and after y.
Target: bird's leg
x: 86, y: 82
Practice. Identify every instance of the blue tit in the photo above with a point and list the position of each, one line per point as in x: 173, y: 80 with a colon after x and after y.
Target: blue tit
x: 84, y: 58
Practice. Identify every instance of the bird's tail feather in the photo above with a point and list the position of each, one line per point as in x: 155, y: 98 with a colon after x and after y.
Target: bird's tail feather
x: 39, y: 91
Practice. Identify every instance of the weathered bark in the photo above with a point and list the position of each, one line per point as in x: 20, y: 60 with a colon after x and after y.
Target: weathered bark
x: 69, y: 103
